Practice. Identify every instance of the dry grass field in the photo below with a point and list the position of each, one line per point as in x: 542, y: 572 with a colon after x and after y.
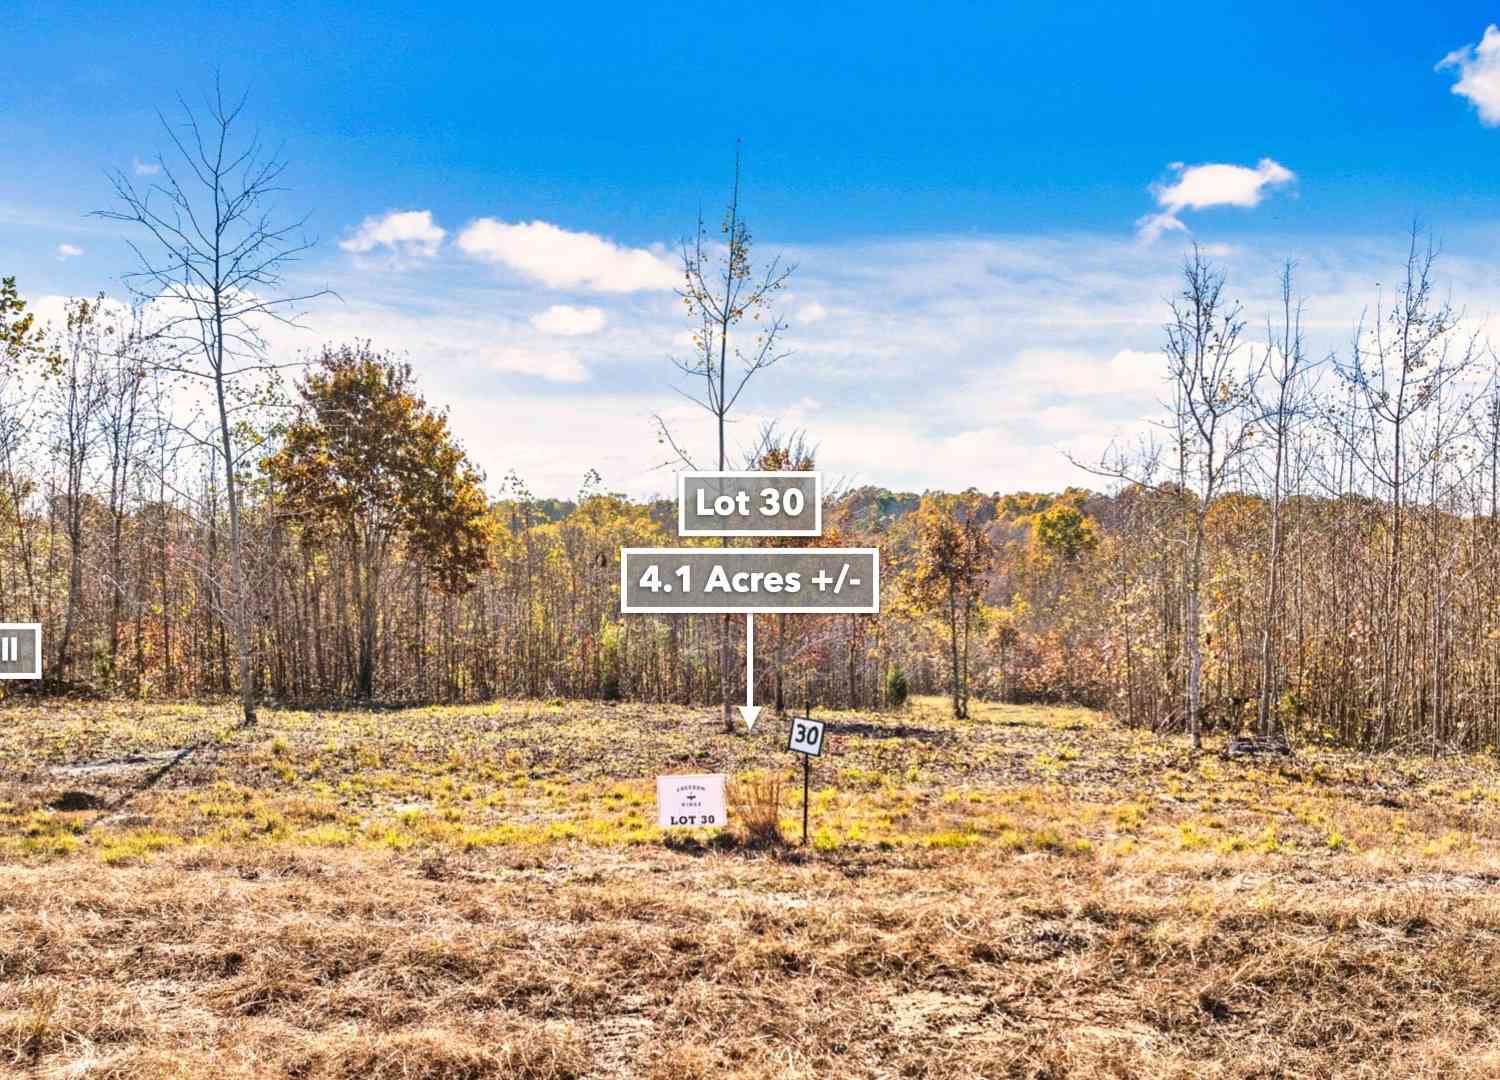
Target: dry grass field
x: 464, y: 893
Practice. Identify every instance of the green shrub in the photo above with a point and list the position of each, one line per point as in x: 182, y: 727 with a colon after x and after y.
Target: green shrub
x: 896, y: 688
x: 611, y: 638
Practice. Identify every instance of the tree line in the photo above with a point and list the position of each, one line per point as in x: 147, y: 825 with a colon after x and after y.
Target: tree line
x: 1308, y: 547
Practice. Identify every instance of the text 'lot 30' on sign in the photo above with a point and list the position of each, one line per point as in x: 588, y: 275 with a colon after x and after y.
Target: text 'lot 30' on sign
x: 690, y: 802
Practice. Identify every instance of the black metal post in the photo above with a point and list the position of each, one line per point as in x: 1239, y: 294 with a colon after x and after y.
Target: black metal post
x: 806, y: 780
x: 806, y: 783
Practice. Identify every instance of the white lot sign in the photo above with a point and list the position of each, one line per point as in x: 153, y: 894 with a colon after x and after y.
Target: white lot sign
x: 690, y: 802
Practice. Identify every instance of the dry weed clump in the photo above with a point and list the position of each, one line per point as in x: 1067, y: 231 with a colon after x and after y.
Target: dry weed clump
x: 480, y: 1052
x: 755, y: 806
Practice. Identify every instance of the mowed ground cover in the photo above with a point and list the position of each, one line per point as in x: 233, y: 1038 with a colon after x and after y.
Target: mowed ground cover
x: 475, y: 892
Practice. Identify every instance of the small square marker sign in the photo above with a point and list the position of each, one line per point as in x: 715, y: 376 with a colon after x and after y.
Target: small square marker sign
x: 690, y: 802
x: 805, y: 737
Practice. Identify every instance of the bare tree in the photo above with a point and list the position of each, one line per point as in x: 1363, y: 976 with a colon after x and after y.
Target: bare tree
x: 1215, y: 424
x: 721, y: 289
x: 78, y: 381
x: 1286, y: 367
x: 212, y: 267
x: 1398, y: 368
x: 120, y: 423
x: 1211, y: 423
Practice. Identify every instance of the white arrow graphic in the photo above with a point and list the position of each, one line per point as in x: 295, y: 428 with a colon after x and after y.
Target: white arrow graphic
x: 750, y: 711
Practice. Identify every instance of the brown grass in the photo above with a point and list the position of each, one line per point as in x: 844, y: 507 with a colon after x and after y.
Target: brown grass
x: 1125, y: 921
x: 755, y: 808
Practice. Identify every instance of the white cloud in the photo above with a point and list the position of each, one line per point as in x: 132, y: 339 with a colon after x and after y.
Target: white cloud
x: 405, y: 232
x: 555, y: 365
x: 145, y: 168
x: 1137, y: 371
x: 1034, y: 379
x: 811, y: 313
x: 1198, y: 187
x: 562, y: 259
x: 52, y: 308
x: 565, y: 320
x: 67, y: 251
x: 983, y: 360
x: 1478, y: 69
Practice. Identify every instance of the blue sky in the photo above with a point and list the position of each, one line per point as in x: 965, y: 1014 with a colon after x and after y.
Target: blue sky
x: 982, y: 198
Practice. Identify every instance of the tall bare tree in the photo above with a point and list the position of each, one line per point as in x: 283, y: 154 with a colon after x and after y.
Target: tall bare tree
x: 78, y: 380
x: 1280, y: 407
x: 1213, y: 395
x: 120, y: 422
x: 722, y: 288
x: 211, y: 265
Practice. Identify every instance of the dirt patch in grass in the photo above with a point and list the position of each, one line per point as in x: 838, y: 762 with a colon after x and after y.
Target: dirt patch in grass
x: 70, y: 802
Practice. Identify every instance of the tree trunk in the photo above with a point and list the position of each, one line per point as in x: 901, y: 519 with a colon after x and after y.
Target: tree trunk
x: 1267, y: 722
x: 368, y: 615
x: 236, y: 546
x: 849, y: 662
x: 164, y: 569
x: 780, y: 664
x: 75, y: 582
x: 958, y: 704
x: 725, y: 666
x: 117, y: 589
x: 1193, y: 639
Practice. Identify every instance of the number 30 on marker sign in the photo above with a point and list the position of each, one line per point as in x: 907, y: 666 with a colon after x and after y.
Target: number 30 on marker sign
x: 806, y: 737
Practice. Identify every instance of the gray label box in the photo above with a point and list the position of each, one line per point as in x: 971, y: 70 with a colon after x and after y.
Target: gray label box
x: 749, y: 504
x: 20, y: 650
x: 760, y: 580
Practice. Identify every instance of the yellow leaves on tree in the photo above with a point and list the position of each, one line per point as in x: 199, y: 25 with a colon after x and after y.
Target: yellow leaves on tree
x: 945, y: 574
x: 368, y: 464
